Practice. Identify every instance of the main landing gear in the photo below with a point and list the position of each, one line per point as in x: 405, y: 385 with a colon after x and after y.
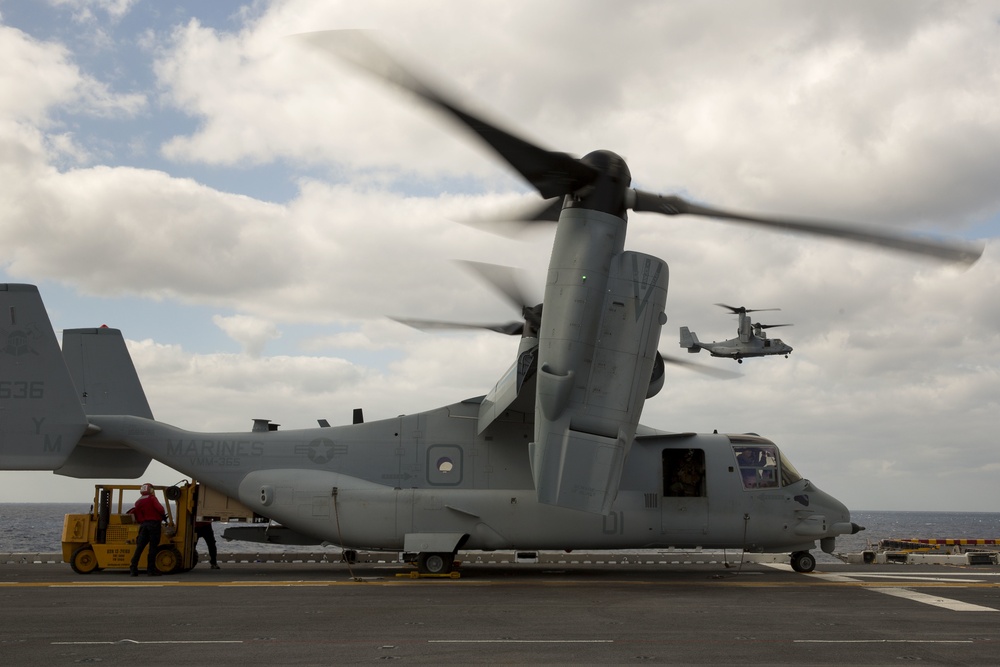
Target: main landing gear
x: 803, y: 561
x: 434, y: 562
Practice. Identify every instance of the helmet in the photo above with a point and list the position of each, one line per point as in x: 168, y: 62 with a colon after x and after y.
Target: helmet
x: 146, y: 489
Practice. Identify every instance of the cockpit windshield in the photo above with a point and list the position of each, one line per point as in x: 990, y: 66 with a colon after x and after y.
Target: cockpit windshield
x: 763, y: 467
x: 789, y: 475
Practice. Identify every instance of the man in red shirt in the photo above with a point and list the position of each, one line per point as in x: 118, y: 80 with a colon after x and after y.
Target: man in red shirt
x: 150, y: 514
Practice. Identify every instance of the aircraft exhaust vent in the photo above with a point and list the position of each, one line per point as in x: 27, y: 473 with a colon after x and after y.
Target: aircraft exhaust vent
x: 263, y: 426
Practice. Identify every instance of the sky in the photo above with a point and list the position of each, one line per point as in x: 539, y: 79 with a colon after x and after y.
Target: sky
x: 251, y: 215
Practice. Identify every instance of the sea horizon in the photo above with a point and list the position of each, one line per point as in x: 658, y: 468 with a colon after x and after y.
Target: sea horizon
x: 37, y: 528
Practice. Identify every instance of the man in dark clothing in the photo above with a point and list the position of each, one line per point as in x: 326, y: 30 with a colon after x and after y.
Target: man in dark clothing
x: 149, y: 513
x: 204, y: 530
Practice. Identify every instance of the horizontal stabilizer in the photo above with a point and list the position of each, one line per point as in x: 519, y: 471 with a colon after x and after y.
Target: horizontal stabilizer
x: 118, y: 462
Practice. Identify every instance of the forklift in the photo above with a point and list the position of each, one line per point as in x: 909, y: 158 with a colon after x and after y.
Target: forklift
x: 105, y: 538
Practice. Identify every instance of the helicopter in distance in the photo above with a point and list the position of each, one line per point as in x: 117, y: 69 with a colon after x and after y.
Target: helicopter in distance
x: 551, y: 456
x: 750, y: 341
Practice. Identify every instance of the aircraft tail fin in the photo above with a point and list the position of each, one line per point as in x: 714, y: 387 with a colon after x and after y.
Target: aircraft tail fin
x: 689, y: 339
x: 103, y: 373
x: 107, y: 384
x: 41, y: 419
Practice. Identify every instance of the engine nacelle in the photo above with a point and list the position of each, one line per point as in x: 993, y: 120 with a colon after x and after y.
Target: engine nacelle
x: 595, y: 372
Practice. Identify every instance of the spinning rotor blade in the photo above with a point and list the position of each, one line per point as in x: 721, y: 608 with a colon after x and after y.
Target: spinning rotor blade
x: 701, y: 368
x: 737, y: 310
x: 552, y: 173
x: 504, y: 280
x: 955, y: 251
x: 548, y: 212
x: 511, y: 224
x: 555, y: 174
x: 509, y: 328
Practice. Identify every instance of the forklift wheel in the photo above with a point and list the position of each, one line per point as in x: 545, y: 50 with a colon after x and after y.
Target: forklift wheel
x: 168, y: 560
x: 84, y: 560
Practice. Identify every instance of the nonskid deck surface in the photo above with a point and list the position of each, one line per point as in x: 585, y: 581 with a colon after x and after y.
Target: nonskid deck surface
x: 696, y: 613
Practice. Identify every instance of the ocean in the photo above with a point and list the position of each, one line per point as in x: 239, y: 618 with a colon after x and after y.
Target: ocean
x: 37, y: 528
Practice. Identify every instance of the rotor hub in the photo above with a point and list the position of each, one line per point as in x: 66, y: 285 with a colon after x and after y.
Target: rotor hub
x: 607, y: 192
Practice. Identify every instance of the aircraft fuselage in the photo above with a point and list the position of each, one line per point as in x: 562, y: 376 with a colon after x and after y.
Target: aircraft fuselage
x: 378, y: 485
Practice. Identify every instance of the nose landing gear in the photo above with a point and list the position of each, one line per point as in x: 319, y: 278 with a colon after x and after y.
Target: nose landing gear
x: 803, y: 561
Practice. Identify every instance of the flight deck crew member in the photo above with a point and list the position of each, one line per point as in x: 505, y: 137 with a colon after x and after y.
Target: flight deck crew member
x: 204, y: 530
x: 150, y: 514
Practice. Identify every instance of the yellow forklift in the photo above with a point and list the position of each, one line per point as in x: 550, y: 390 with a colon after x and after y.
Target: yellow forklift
x: 105, y: 538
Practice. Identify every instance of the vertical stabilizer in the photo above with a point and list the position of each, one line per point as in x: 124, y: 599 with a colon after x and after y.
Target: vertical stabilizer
x: 103, y: 373
x: 689, y: 340
x: 40, y: 415
x: 107, y: 384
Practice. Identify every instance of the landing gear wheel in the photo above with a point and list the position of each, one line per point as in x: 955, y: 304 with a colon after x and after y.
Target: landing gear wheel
x: 434, y: 563
x: 168, y: 560
x: 803, y: 561
x: 84, y: 560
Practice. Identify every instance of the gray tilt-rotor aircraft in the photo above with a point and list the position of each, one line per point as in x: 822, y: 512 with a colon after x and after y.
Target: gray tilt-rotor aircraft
x: 552, y: 457
x: 750, y: 341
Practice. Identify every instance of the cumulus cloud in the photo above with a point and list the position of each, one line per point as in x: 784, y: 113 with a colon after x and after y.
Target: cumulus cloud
x: 882, y: 113
x: 250, y: 332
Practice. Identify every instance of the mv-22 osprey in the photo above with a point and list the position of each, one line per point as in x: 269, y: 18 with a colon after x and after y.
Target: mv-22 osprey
x: 552, y: 457
x: 750, y: 341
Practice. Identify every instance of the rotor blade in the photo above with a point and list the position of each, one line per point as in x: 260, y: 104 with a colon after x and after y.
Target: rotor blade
x: 503, y: 279
x: 701, y: 368
x: 548, y: 211
x: 509, y: 328
x: 513, y: 223
x: 743, y: 309
x: 772, y: 326
x: 552, y: 173
x: 956, y: 251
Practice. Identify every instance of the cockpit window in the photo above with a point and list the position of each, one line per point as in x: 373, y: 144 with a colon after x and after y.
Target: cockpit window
x: 759, y: 467
x: 789, y: 475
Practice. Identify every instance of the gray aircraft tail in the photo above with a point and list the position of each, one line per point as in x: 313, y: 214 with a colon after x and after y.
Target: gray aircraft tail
x: 689, y: 340
x: 107, y: 384
x: 41, y: 419
x: 45, y: 397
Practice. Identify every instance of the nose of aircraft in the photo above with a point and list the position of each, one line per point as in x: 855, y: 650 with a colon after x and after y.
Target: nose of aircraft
x: 836, y: 519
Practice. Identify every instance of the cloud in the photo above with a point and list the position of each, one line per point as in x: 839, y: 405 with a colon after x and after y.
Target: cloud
x: 881, y: 114
x: 40, y: 76
x: 250, y: 332
x: 84, y: 11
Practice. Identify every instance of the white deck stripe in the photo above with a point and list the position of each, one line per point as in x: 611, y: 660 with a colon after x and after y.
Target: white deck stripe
x: 520, y: 641
x: 934, y: 600
x: 907, y: 594
x: 883, y: 641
